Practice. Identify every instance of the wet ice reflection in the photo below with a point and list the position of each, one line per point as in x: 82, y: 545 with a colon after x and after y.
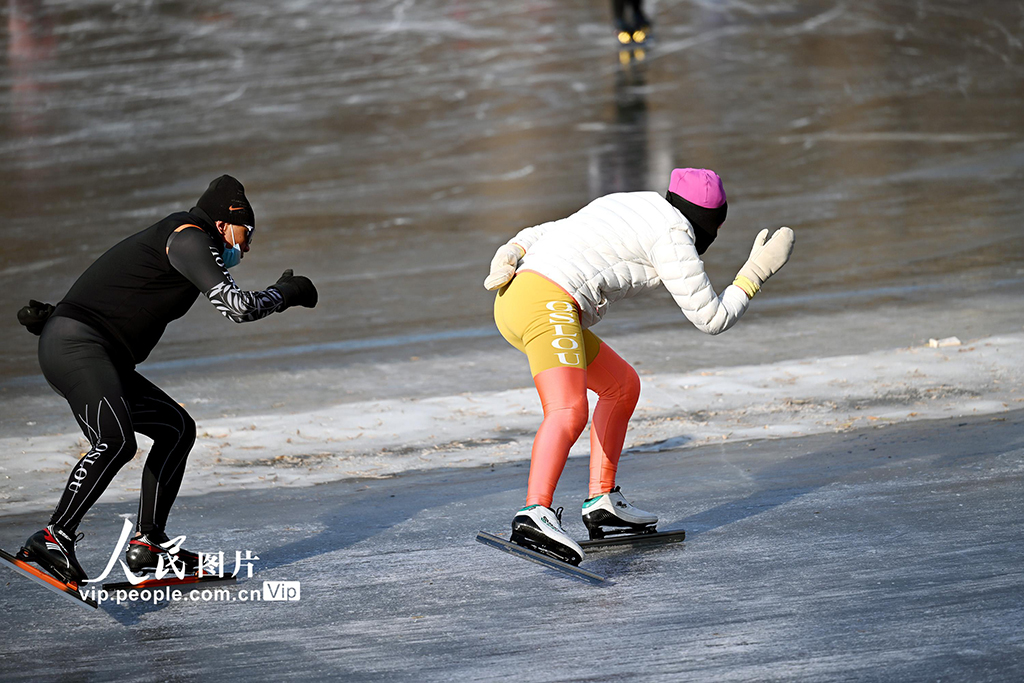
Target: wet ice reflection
x: 388, y: 147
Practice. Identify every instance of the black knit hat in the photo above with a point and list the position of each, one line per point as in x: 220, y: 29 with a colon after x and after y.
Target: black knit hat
x: 224, y: 200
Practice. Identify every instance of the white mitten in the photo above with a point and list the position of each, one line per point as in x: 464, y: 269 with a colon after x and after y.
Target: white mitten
x: 766, y: 258
x: 503, y: 265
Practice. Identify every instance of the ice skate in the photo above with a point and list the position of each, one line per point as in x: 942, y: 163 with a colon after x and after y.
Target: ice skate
x: 53, y: 549
x: 623, y: 33
x: 610, y: 513
x: 540, y: 528
x: 144, y: 554
x: 640, y: 35
x: 641, y: 29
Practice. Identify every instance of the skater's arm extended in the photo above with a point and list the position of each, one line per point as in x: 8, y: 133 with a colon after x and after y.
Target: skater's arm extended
x: 680, y: 268
x: 192, y: 253
x: 682, y: 272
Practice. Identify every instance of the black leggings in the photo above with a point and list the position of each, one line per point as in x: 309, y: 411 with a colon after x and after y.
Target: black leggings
x: 111, y: 403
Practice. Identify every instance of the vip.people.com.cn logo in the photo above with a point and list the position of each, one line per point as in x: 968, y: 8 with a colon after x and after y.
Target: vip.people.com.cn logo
x: 272, y: 591
x: 281, y: 591
x: 170, y: 584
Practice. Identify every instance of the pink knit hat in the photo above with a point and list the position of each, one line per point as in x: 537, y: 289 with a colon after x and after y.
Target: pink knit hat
x: 698, y: 186
x: 697, y: 193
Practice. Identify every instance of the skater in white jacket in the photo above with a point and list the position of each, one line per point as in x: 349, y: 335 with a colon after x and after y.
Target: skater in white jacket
x: 557, y: 279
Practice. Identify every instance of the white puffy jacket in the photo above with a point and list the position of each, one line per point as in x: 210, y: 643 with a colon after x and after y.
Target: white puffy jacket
x: 621, y: 245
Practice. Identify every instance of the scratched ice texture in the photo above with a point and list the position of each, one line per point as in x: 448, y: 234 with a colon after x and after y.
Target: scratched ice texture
x: 388, y: 147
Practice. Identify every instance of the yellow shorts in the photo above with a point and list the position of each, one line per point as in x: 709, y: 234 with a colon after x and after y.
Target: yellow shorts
x: 540, y: 319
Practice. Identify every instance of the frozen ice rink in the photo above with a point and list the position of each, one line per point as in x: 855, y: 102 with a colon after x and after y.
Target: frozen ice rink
x: 876, y: 555
x: 852, y: 496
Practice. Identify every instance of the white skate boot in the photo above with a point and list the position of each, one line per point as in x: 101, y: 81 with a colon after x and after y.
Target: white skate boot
x: 540, y: 528
x: 610, y: 513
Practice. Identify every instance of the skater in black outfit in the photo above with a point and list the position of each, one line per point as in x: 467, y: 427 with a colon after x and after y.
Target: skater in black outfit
x: 108, y: 322
x: 636, y: 27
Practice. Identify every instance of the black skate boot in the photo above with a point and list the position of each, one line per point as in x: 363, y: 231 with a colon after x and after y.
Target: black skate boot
x: 53, y: 549
x: 144, y: 553
x: 540, y: 528
x: 611, y: 514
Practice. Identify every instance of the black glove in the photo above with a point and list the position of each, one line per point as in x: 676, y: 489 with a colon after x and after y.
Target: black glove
x: 297, y: 290
x: 35, y: 315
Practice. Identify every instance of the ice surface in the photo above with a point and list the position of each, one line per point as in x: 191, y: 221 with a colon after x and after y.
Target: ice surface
x: 381, y: 438
x: 388, y: 148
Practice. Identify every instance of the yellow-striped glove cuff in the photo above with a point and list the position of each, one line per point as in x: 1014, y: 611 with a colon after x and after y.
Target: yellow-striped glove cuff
x: 747, y: 285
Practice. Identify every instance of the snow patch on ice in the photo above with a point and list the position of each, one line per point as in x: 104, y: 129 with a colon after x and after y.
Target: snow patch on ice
x: 676, y: 411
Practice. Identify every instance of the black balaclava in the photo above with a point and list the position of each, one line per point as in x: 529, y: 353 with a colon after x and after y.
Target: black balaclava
x: 705, y: 221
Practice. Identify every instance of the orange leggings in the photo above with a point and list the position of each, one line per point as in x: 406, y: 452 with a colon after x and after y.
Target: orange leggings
x: 540, y: 319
